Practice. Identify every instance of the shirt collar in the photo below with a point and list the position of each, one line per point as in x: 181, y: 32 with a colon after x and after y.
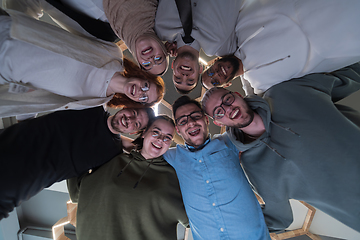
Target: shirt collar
x: 194, y: 149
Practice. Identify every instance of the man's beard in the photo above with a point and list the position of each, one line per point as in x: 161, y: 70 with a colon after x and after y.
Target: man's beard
x: 191, y: 143
x: 250, y: 113
x: 115, y: 123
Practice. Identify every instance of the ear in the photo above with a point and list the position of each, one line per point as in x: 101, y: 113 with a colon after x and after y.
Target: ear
x: 228, y: 84
x: 172, y: 64
x: 201, y: 68
x: 238, y: 94
x: 217, y: 123
x: 207, y: 119
x: 177, y: 130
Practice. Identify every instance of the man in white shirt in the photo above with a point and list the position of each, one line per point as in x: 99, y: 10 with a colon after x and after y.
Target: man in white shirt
x: 213, y: 30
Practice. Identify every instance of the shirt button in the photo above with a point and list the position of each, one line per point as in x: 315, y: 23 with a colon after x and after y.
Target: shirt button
x: 207, y: 181
x: 195, y: 4
x: 200, y: 161
x: 221, y: 229
x: 213, y: 204
x: 66, y: 107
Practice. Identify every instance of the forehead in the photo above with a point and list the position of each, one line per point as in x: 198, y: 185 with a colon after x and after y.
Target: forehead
x: 186, y: 110
x: 215, y: 100
x: 164, y: 126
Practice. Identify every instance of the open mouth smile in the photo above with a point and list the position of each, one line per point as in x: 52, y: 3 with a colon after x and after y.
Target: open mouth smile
x: 194, y: 132
x: 186, y: 68
x: 123, y: 122
x: 146, y: 51
x: 133, y: 90
x: 235, y: 113
x: 156, y: 145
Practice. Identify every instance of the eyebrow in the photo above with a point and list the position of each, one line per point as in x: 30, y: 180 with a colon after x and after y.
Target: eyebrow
x: 161, y: 131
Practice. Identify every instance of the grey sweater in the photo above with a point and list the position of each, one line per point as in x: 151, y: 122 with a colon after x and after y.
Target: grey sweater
x: 310, y: 150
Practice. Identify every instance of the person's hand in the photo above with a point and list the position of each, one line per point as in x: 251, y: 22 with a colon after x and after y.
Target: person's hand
x: 171, y: 48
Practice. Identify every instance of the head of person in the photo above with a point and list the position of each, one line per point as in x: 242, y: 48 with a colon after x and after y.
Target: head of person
x: 142, y: 87
x: 221, y: 72
x: 227, y: 108
x: 130, y: 120
x: 190, y: 120
x: 151, y: 54
x: 157, y: 137
x: 186, y: 71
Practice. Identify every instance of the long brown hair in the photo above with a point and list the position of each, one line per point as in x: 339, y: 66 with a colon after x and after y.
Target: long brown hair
x: 131, y: 70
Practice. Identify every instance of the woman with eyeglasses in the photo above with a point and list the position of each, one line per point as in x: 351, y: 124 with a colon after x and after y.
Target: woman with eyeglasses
x: 135, y: 196
x: 133, y: 21
x: 44, y: 68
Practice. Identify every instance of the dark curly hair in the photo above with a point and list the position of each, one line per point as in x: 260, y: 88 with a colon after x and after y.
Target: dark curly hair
x: 132, y: 70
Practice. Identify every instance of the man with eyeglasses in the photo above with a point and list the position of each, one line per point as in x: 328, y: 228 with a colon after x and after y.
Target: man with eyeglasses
x: 217, y: 197
x: 297, y: 143
x: 38, y: 152
x: 212, y: 30
x: 284, y: 39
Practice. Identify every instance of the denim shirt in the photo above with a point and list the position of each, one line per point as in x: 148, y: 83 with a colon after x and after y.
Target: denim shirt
x: 218, y: 199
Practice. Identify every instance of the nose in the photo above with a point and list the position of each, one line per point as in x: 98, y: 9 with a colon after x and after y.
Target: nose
x: 190, y: 121
x: 227, y: 109
x: 185, y: 75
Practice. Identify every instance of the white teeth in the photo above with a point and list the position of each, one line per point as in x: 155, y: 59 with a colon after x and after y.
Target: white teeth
x: 146, y: 51
x: 234, y: 114
x: 133, y: 91
x: 123, y: 121
x: 155, y: 145
x: 185, y: 68
x: 223, y: 70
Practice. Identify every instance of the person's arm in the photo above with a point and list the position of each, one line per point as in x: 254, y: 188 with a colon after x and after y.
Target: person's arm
x: 73, y: 185
x: 278, y: 215
x: 347, y: 82
x: 30, y: 8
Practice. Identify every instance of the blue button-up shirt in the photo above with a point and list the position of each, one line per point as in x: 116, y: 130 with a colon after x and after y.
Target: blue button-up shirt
x: 218, y: 199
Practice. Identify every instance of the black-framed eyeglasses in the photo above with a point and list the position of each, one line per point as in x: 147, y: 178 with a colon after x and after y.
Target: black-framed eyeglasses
x: 157, y: 134
x: 227, y: 100
x: 184, y: 119
x: 143, y: 98
x: 148, y: 65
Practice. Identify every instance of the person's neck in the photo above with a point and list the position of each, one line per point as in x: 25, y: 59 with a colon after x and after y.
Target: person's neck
x: 116, y: 84
x: 187, y: 48
x: 256, y: 128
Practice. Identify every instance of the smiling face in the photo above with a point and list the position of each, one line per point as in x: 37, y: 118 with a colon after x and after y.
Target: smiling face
x: 237, y: 115
x: 128, y: 120
x: 221, y: 72
x: 194, y: 132
x: 150, y: 55
x: 186, y: 71
x: 157, y: 139
x: 140, y: 90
